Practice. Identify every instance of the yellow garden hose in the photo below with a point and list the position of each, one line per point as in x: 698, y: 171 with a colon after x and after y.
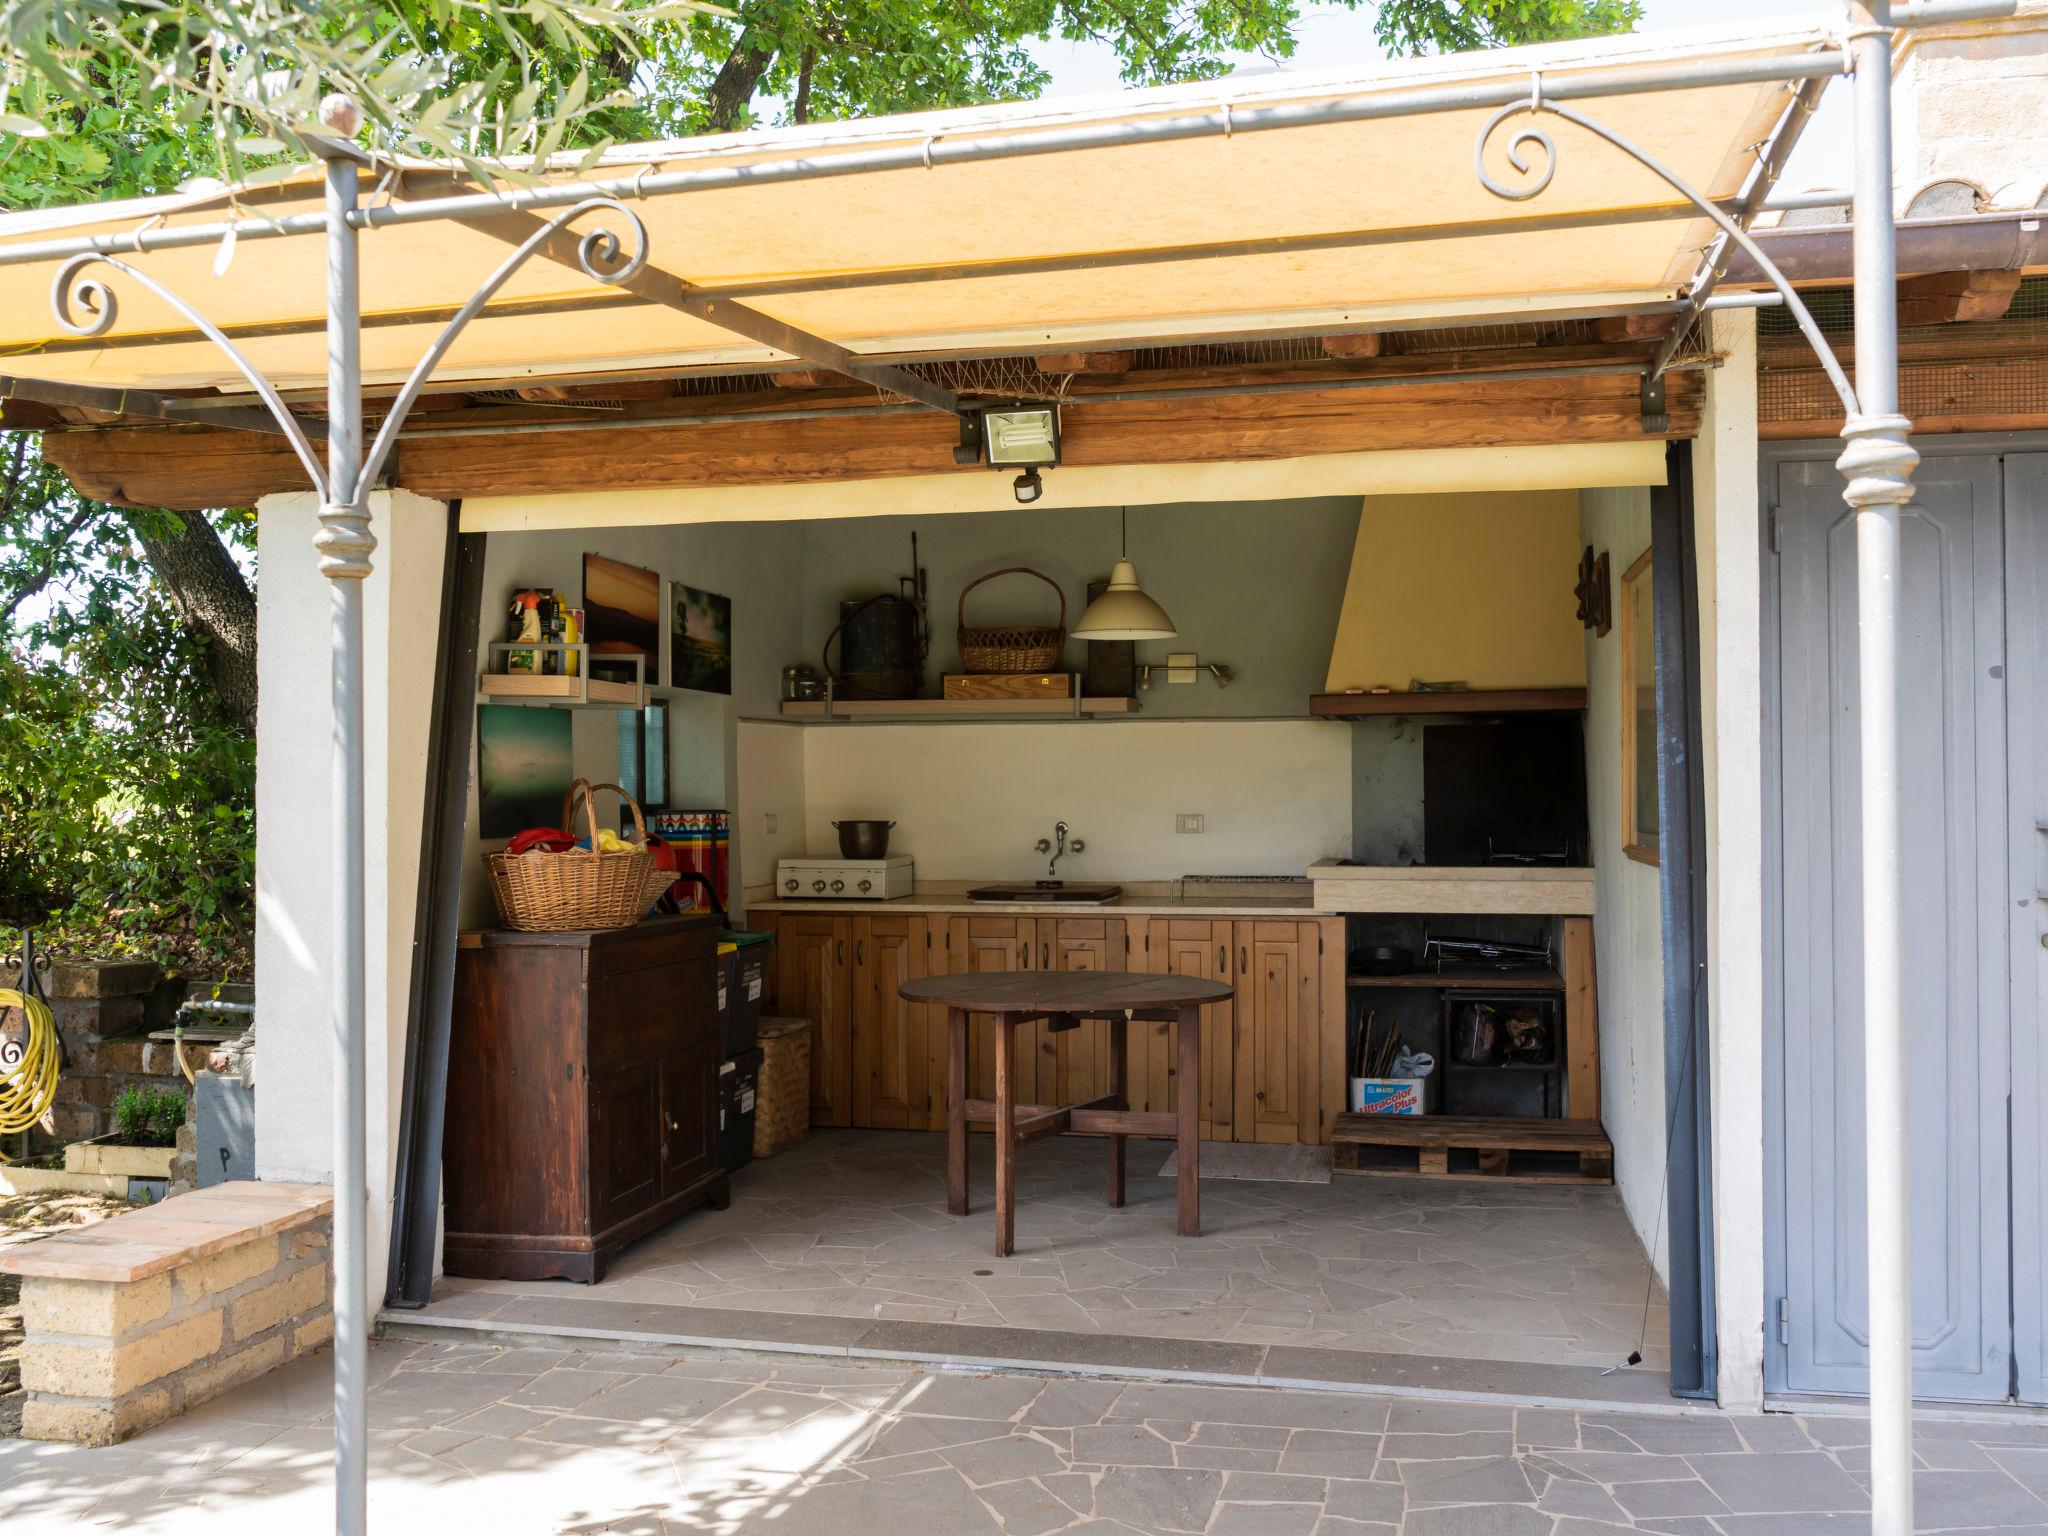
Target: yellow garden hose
x: 29, y: 1087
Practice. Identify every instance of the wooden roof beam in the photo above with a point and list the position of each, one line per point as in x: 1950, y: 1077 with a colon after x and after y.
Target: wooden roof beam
x: 1942, y: 298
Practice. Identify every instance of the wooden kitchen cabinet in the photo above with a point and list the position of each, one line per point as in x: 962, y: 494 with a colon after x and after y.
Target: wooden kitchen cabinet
x: 1272, y: 1060
x: 585, y: 1113
x: 814, y: 980
x: 1200, y: 947
x: 982, y: 945
x: 891, y: 1047
x: 1279, y: 1030
x: 1074, y: 1063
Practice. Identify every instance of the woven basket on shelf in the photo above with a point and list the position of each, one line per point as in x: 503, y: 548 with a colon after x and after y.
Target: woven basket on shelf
x: 1012, y: 647
x: 782, y: 1092
x: 582, y: 887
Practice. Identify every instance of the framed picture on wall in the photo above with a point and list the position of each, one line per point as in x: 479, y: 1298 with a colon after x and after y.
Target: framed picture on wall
x: 699, y: 639
x: 1640, y: 838
x: 523, y: 767
x: 621, y: 617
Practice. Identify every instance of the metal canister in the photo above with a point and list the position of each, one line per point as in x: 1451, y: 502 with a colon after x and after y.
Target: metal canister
x: 881, y: 650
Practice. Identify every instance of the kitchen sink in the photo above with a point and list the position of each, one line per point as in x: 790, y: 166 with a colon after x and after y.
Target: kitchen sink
x: 1047, y: 891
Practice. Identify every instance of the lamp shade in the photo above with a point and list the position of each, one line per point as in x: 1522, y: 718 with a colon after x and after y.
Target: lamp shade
x: 1124, y: 612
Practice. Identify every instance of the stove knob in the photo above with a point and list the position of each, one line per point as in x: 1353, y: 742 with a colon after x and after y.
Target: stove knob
x: 817, y: 885
x: 866, y: 886
x: 789, y: 885
x: 838, y: 885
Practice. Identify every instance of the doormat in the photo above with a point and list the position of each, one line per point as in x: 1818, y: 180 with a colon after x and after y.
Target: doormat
x: 1263, y: 1165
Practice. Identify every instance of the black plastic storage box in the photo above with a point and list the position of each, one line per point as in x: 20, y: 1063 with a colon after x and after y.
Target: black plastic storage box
x: 738, y: 1082
x: 742, y: 983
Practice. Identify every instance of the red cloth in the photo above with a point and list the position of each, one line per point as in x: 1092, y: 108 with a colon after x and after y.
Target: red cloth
x: 546, y: 839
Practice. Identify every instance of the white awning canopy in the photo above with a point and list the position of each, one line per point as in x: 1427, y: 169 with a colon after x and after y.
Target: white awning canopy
x: 1317, y: 226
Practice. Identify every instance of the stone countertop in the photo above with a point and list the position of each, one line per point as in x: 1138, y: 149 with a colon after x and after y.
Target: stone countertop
x: 1156, y: 899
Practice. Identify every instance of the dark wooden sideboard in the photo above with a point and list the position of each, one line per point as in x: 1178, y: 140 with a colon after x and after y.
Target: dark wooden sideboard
x: 582, y: 1095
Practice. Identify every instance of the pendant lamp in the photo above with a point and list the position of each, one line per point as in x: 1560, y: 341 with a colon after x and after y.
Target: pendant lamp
x: 1124, y: 612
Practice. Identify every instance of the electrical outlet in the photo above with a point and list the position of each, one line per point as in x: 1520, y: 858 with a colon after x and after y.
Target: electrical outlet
x: 769, y: 821
x: 1189, y: 822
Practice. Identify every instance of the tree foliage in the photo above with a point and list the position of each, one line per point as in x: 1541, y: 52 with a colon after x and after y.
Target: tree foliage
x: 1461, y: 26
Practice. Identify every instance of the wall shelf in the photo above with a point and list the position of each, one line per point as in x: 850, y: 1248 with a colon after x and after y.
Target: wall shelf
x: 953, y: 709
x: 1463, y: 701
x: 578, y: 690
x: 1463, y: 980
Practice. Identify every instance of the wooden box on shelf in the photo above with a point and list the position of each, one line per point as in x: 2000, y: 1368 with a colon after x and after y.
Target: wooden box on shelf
x: 1009, y: 685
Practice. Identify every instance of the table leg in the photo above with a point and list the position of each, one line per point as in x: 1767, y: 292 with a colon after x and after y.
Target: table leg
x: 1006, y: 1138
x: 1119, y: 1065
x: 1190, y: 1109
x: 956, y: 1111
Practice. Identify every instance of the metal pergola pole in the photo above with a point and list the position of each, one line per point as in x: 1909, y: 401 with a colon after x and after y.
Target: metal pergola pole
x: 345, y: 543
x: 1878, y: 464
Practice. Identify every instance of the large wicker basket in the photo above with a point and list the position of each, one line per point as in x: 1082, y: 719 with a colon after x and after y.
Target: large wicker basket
x: 582, y: 887
x: 782, y: 1094
x: 1012, y: 647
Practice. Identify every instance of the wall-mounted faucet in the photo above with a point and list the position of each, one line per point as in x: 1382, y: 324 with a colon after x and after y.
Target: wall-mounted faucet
x: 1059, y: 850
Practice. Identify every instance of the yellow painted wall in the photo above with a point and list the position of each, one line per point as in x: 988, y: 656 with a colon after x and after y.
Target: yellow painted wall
x: 1473, y: 588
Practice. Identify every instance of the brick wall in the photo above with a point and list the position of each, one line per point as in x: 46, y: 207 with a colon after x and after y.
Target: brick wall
x: 105, y: 1359
x: 103, y: 1009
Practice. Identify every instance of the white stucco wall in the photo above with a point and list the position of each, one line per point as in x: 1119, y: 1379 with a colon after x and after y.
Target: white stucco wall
x: 1629, y: 935
x: 294, y: 854
x: 1731, y: 704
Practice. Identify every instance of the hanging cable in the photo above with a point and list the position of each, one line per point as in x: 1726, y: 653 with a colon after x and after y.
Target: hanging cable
x: 28, y: 1087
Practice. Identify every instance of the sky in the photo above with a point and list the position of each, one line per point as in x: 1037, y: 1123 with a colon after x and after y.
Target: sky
x: 1331, y: 37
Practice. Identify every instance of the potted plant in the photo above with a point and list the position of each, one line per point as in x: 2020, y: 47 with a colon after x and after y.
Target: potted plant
x: 143, y: 1141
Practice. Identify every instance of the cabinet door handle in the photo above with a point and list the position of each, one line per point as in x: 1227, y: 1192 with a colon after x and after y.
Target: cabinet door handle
x: 1243, y: 959
x: 1045, y: 957
x: 1222, y: 957
x: 1023, y: 957
x: 860, y: 950
x: 839, y: 951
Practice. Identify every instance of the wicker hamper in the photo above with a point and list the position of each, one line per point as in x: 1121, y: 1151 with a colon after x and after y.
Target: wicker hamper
x: 782, y: 1102
x: 584, y: 887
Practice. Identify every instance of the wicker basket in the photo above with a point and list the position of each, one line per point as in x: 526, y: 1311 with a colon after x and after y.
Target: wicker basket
x: 1012, y: 647
x: 782, y: 1095
x: 582, y: 887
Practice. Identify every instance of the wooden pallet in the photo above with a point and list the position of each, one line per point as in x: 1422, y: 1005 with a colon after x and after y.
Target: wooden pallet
x: 1474, y: 1147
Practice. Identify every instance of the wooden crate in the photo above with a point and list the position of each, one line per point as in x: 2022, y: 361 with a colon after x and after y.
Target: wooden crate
x: 1474, y: 1147
x: 1009, y: 685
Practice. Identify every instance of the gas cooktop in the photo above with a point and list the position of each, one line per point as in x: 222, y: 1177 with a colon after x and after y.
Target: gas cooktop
x: 1047, y: 891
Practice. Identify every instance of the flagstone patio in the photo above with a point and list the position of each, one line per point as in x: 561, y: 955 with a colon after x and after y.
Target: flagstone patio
x: 482, y: 1438
x: 852, y: 1227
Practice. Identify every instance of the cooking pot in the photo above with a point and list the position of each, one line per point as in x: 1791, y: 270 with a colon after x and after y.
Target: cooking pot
x: 864, y: 839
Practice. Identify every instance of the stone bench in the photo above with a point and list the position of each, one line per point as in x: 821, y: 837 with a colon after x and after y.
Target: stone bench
x: 148, y: 1313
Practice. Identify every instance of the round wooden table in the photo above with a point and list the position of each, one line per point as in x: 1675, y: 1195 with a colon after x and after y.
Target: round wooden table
x: 1063, y: 999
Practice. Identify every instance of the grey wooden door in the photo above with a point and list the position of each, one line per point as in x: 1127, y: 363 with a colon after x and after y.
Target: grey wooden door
x: 1956, y: 963
x: 2026, y: 585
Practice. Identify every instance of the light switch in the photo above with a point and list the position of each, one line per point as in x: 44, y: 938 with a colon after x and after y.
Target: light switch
x: 1180, y: 666
x: 1188, y: 821
x: 769, y: 820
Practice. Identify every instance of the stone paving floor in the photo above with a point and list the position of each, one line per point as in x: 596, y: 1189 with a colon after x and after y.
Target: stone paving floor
x: 853, y: 1224
x: 477, y: 1438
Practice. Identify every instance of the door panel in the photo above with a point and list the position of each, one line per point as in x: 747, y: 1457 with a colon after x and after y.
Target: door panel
x: 992, y: 944
x: 1953, y: 793
x: 1079, y: 1057
x: 2026, y: 622
x: 1189, y: 947
x: 814, y: 981
x: 1278, y: 1015
x: 890, y: 1088
x: 689, y: 1119
x: 625, y: 1145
